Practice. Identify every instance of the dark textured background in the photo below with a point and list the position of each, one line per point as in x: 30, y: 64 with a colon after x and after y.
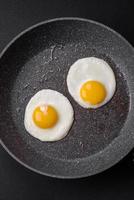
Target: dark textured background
x: 18, y: 183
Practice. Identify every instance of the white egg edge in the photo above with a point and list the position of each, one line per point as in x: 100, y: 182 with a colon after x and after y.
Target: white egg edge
x: 77, y: 97
x: 58, y: 132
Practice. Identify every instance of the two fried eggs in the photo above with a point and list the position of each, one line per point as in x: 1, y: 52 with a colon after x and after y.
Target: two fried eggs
x: 49, y: 114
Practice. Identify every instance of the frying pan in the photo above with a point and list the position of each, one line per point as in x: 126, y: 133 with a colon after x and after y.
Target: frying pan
x: 40, y: 58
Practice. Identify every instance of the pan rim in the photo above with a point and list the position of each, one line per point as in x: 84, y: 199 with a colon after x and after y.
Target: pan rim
x: 15, y: 39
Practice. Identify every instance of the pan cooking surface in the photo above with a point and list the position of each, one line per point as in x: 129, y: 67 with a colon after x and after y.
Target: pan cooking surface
x: 92, y: 130
x: 41, y: 59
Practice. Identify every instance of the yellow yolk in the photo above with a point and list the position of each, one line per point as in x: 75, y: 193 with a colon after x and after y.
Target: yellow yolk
x: 93, y: 92
x: 45, y: 116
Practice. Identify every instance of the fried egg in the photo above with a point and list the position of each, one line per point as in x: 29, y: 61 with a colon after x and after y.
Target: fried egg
x: 91, y: 82
x: 48, y: 115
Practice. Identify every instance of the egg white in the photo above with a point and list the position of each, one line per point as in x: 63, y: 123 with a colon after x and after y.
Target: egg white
x: 64, y: 110
x: 86, y: 69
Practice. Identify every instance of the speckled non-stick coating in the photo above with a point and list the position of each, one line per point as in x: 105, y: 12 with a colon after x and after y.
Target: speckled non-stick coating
x: 40, y: 59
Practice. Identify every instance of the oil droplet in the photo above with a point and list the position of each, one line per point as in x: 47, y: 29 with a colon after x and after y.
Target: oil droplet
x: 26, y: 86
x: 43, y: 75
x: 59, y: 69
x: 81, y: 144
x: 51, y: 70
x: 48, y: 58
x: 60, y: 46
x: 52, y: 52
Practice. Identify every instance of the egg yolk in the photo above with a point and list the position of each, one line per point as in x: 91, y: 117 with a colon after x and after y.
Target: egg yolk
x: 93, y: 92
x: 45, y: 116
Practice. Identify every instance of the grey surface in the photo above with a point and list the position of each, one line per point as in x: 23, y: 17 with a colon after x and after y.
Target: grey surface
x: 45, y: 54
